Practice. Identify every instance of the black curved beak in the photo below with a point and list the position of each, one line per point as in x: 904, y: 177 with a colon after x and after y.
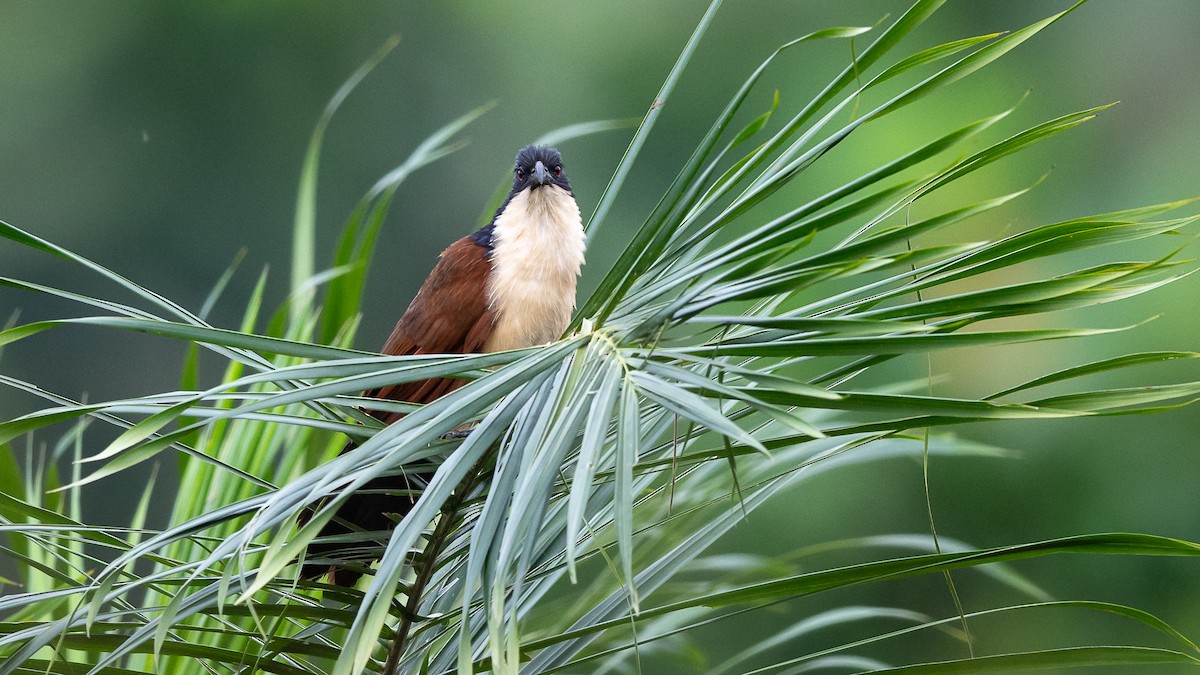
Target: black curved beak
x: 540, y: 175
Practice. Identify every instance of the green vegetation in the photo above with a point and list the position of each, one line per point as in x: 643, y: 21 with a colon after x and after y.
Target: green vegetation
x: 724, y: 358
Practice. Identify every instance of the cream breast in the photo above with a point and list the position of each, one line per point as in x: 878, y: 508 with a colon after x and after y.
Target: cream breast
x: 537, y: 252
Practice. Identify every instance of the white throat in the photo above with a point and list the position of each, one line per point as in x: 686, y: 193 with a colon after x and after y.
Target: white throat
x: 537, y: 251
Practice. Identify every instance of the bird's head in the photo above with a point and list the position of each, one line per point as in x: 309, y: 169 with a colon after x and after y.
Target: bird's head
x: 538, y: 166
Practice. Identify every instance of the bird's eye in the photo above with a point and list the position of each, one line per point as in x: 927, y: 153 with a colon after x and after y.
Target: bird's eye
x: 558, y: 170
x: 520, y: 174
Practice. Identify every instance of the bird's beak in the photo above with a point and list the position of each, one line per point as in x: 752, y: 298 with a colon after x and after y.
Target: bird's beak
x: 540, y: 174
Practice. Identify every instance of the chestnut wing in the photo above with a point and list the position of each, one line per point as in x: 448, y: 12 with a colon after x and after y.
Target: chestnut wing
x: 449, y: 315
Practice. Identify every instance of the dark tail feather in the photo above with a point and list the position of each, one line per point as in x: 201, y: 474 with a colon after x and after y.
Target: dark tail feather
x: 375, y: 508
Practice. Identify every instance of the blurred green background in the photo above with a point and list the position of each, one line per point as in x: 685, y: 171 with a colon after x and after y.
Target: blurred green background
x: 162, y: 138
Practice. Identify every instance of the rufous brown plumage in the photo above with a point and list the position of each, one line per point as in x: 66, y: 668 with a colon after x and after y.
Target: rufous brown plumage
x: 509, y: 285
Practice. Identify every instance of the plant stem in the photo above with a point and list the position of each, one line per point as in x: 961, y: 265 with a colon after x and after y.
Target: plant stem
x: 426, y: 565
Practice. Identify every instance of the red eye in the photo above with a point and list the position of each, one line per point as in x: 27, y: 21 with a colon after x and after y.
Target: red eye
x: 558, y: 170
x: 520, y: 175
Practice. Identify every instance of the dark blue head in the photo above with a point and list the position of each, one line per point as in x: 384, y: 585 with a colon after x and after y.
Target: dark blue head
x: 539, y: 165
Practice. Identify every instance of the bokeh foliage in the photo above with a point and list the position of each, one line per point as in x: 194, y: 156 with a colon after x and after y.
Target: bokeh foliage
x: 659, y: 293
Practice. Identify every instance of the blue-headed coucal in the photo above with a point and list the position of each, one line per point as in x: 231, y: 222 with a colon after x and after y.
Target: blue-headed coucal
x: 509, y: 285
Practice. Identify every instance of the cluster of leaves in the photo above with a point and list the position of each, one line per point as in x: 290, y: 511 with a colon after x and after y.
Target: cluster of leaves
x: 715, y: 366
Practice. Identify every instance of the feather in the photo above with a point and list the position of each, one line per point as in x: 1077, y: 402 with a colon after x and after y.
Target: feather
x: 507, y: 286
x: 449, y: 315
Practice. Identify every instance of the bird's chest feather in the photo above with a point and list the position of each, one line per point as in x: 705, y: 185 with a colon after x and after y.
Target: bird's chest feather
x: 536, y: 256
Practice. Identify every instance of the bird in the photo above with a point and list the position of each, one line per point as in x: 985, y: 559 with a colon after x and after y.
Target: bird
x: 509, y: 285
